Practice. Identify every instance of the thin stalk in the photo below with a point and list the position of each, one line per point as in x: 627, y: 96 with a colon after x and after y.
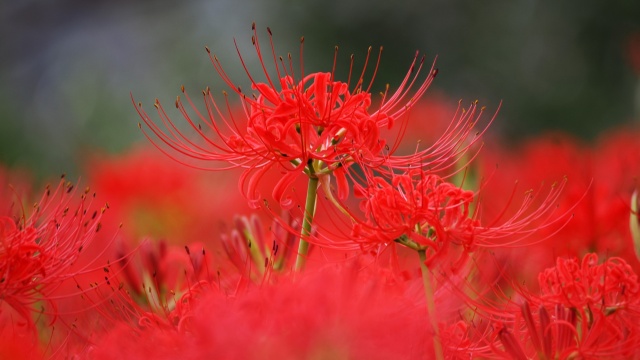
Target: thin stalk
x: 309, y: 213
x: 431, y: 305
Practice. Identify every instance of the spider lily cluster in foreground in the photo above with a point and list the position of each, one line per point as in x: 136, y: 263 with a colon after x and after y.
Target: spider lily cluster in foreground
x: 359, y: 239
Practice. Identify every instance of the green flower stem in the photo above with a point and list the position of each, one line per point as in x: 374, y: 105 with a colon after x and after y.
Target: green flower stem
x: 254, y: 251
x: 431, y: 305
x: 309, y: 212
x: 634, y: 222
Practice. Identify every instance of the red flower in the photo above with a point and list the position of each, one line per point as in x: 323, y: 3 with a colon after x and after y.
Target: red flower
x: 258, y: 253
x: 343, y: 311
x: 584, y: 310
x: 612, y: 285
x: 309, y: 123
x: 156, y: 197
x: 411, y: 205
x: 601, y: 180
x: 38, y: 253
x: 423, y: 211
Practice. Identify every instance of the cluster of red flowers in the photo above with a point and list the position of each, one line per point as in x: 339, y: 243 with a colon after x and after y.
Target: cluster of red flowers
x: 371, y: 245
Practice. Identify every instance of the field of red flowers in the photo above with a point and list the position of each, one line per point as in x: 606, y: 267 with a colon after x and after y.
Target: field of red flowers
x: 311, y: 217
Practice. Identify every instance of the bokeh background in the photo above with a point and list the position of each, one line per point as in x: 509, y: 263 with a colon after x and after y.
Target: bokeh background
x: 68, y: 67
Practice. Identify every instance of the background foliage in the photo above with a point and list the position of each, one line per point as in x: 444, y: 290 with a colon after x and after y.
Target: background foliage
x: 68, y: 67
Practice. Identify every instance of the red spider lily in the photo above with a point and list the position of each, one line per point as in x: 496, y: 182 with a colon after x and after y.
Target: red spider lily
x: 257, y: 252
x: 423, y: 211
x: 161, y: 267
x: 601, y: 180
x: 584, y: 310
x: 163, y: 275
x: 309, y: 123
x: 612, y: 285
x: 337, y: 312
x: 418, y: 212
x: 38, y: 252
x: 156, y: 197
x: 567, y: 333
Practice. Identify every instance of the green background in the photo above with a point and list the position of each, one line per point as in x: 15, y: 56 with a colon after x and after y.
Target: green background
x: 67, y: 68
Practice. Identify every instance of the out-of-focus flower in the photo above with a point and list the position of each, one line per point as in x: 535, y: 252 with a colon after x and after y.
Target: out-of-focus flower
x: 258, y: 253
x: 14, y: 345
x: 42, y: 249
x: 600, y: 181
x: 309, y: 123
x: 343, y: 311
x: 584, y: 310
x: 612, y: 285
x: 156, y: 198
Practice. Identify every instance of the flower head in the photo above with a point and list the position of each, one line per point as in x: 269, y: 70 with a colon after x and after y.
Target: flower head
x: 38, y: 252
x: 612, y: 285
x: 425, y: 211
x: 584, y: 309
x: 307, y: 123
